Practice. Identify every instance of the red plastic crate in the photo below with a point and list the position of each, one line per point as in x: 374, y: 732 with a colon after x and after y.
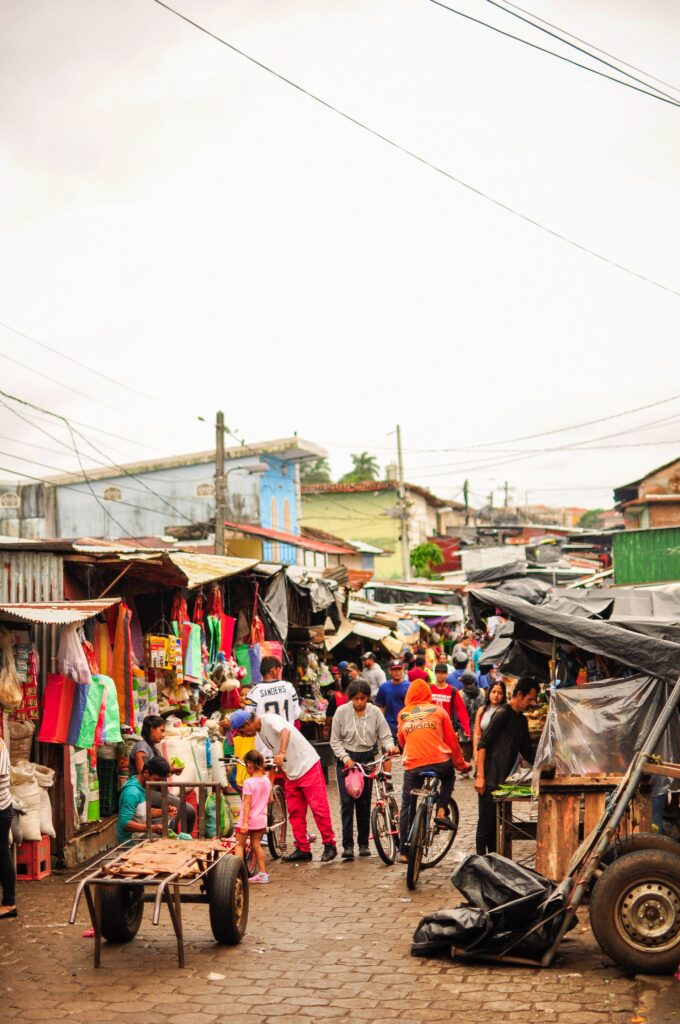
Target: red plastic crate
x: 34, y: 860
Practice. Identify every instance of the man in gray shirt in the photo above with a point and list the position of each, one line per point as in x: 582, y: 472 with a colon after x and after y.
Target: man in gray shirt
x: 372, y: 673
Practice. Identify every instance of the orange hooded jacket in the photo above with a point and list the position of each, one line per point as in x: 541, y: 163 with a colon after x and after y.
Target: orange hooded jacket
x: 425, y: 731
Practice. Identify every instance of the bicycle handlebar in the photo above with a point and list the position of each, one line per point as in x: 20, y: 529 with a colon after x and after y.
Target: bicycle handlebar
x: 365, y: 768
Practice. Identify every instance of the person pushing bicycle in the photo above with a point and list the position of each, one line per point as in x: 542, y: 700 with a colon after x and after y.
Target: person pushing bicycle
x: 429, y: 743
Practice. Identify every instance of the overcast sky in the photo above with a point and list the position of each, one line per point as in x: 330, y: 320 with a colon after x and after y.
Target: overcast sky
x: 183, y: 222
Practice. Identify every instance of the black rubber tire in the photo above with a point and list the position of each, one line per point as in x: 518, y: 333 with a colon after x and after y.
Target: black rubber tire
x: 640, y: 841
x: 444, y: 841
x: 623, y: 892
x: 277, y: 811
x: 122, y: 911
x: 384, y: 838
x: 228, y: 900
x: 416, y: 844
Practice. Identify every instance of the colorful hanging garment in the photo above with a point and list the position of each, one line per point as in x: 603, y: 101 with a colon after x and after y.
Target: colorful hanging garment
x: 256, y: 625
x: 227, y: 634
x: 102, y: 648
x: 199, y: 609
x: 136, y: 633
x: 191, y: 649
x: 214, y: 629
x: 56, y: 709
x: 122, y: 666
x: 242, y: 658
x: 179, y: 612
x: 111, y: 726
x: 87, y: 734
x: 255, y: 659
x: 215, y: 606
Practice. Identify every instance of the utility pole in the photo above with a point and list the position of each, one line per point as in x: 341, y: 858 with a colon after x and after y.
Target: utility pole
x: 466, y: 499
x: 403, y: 512
x: 220, y: 502
x: 505, y: 490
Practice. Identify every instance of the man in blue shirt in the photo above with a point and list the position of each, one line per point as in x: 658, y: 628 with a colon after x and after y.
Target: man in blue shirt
x: 392, y: 694
x: 132, y: 804
x: 460, y: 664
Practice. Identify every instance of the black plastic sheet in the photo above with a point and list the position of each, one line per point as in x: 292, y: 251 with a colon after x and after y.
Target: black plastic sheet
x: 446, y: 928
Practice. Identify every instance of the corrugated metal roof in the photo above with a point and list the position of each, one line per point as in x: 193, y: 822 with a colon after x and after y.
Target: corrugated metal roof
x: 196, y: 569
x: 57, y: 613
x: 289, y: 538
x: 370, y: 631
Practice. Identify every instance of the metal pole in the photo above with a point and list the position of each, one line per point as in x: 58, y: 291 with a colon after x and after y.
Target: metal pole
x: 403, y: 512
x: 220, y: 505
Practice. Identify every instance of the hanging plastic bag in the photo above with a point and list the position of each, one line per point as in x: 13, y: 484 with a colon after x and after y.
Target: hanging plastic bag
x: 71, y: 660
x: 354, y: 783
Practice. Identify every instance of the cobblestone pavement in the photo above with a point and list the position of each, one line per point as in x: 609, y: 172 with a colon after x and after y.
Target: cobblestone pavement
x: 325, y: 942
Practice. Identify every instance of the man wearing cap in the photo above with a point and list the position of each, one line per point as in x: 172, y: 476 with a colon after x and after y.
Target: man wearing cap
x: 305, y: 785
x: 392, y: 694
x: 372, y: 673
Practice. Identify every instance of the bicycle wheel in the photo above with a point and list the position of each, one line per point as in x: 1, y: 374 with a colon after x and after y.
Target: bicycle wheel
x: 440, y: 840
x: 250, y: 860
x: 384, y: 838
x: 277, y: 823
x: 416, y: 844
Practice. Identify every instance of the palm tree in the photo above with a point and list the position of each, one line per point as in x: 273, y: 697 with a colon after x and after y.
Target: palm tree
x: 364, y: 467
x: 316, y: 471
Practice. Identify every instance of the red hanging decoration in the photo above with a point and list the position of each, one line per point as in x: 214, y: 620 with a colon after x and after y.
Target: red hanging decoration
x: 180, y: 612
x: 199, y: 610
x: 257, y: 625
x: 215, y: 600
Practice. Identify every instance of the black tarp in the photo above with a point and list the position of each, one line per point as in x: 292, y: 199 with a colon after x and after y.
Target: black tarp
x: 498, y: 573
x: 660, y: 658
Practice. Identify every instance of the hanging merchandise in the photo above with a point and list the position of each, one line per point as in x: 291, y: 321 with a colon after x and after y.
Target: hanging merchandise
x: 122, y: 666
x: 56, y: 710
x: 80, y: 696
x: 90, y: 657
x: 214, y: 634
x: 102, y: 648
x: 242, y: 656
x: 11, y: 694
x: 198, y: 615
x: 28, y: 710
x: 256, y: 625
x: 71, y: 660
x: 179, y: 612
x: 91, y: 714
x: 215, y: 606
x: 111, y: 714
x: 255, y: 655
x: 136, y: 635
x: 227, y: 676
x: 191, y: 647
x: 228, y: 625
x: 272, y: 649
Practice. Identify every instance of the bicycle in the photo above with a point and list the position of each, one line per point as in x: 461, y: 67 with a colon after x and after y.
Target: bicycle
x: 385, y: 812
x: 427, y: 844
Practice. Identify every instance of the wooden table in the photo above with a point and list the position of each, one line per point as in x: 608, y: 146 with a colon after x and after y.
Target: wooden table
x: 509, y: 827
x: 569, y: 808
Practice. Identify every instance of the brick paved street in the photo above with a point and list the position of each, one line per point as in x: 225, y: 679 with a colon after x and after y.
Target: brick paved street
x: 325, y: 942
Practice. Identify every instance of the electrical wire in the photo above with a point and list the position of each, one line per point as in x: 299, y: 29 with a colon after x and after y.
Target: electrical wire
x: 598, y: 49
x: 581, y: 49
x: 77, y: 362
x: 420, y: 159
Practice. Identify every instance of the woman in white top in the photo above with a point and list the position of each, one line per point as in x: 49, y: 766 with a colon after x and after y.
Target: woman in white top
x: 359, y: 729
x: 496, y: 696
x: 8, y: 879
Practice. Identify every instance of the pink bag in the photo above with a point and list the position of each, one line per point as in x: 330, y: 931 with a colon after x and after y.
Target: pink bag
x: 354, y: 783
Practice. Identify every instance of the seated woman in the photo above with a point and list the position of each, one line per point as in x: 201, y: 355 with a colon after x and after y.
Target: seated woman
x: 153, y: 731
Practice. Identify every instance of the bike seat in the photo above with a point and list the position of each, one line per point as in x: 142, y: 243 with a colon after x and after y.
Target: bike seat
x: 429, y: 775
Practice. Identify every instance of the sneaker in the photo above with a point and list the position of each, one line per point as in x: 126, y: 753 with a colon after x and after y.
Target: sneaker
x: 261, y: 877
x: 297, y: 855
x: 348, y: 853
x: 443, y: 823
x: 364, y: 851
x: 330, y: 852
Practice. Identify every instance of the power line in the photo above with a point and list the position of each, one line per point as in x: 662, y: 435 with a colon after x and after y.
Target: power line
x: 598, y: 49
x: 581, y: 49
x: 415, y: 156
x: 77, y: 362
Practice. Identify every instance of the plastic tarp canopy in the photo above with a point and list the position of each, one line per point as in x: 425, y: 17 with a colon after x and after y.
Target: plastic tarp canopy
x: 601, y: 726
x: 655, y: 657
x: 509, y: 571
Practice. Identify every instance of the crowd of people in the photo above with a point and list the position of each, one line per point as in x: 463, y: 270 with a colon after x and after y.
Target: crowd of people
x: 440, y: 716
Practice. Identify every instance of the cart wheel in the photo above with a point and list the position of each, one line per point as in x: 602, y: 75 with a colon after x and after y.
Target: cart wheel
x: 277, y: 822
x: 639, y: 841
x: 122, y: 911
x: 228, y: 900
x: 635, y: 911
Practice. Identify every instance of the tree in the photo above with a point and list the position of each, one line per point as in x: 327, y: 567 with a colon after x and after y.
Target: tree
x: 424, y: 557
x: 317, y: 471
x: 364, y: 467
x: 588, y: 518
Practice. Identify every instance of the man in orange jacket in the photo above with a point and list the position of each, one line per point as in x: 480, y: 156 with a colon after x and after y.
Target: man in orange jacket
x: 429, y: 743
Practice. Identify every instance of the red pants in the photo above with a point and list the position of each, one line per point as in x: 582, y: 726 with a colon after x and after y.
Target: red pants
x: 309, y: 791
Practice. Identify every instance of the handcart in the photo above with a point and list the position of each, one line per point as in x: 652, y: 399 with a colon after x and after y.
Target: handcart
x: 163, y: 870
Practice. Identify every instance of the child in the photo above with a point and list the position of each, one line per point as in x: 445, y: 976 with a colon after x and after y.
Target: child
x: 252, y: 819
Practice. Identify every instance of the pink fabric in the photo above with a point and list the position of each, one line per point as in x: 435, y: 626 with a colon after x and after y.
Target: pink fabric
x: 309, y: 791
x: 258, y: 788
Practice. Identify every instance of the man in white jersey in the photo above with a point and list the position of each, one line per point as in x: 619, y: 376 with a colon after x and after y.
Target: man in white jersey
x: 273, y: 696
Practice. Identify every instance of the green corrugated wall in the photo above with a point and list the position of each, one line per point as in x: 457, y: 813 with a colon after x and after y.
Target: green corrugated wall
x: 647, y: 556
